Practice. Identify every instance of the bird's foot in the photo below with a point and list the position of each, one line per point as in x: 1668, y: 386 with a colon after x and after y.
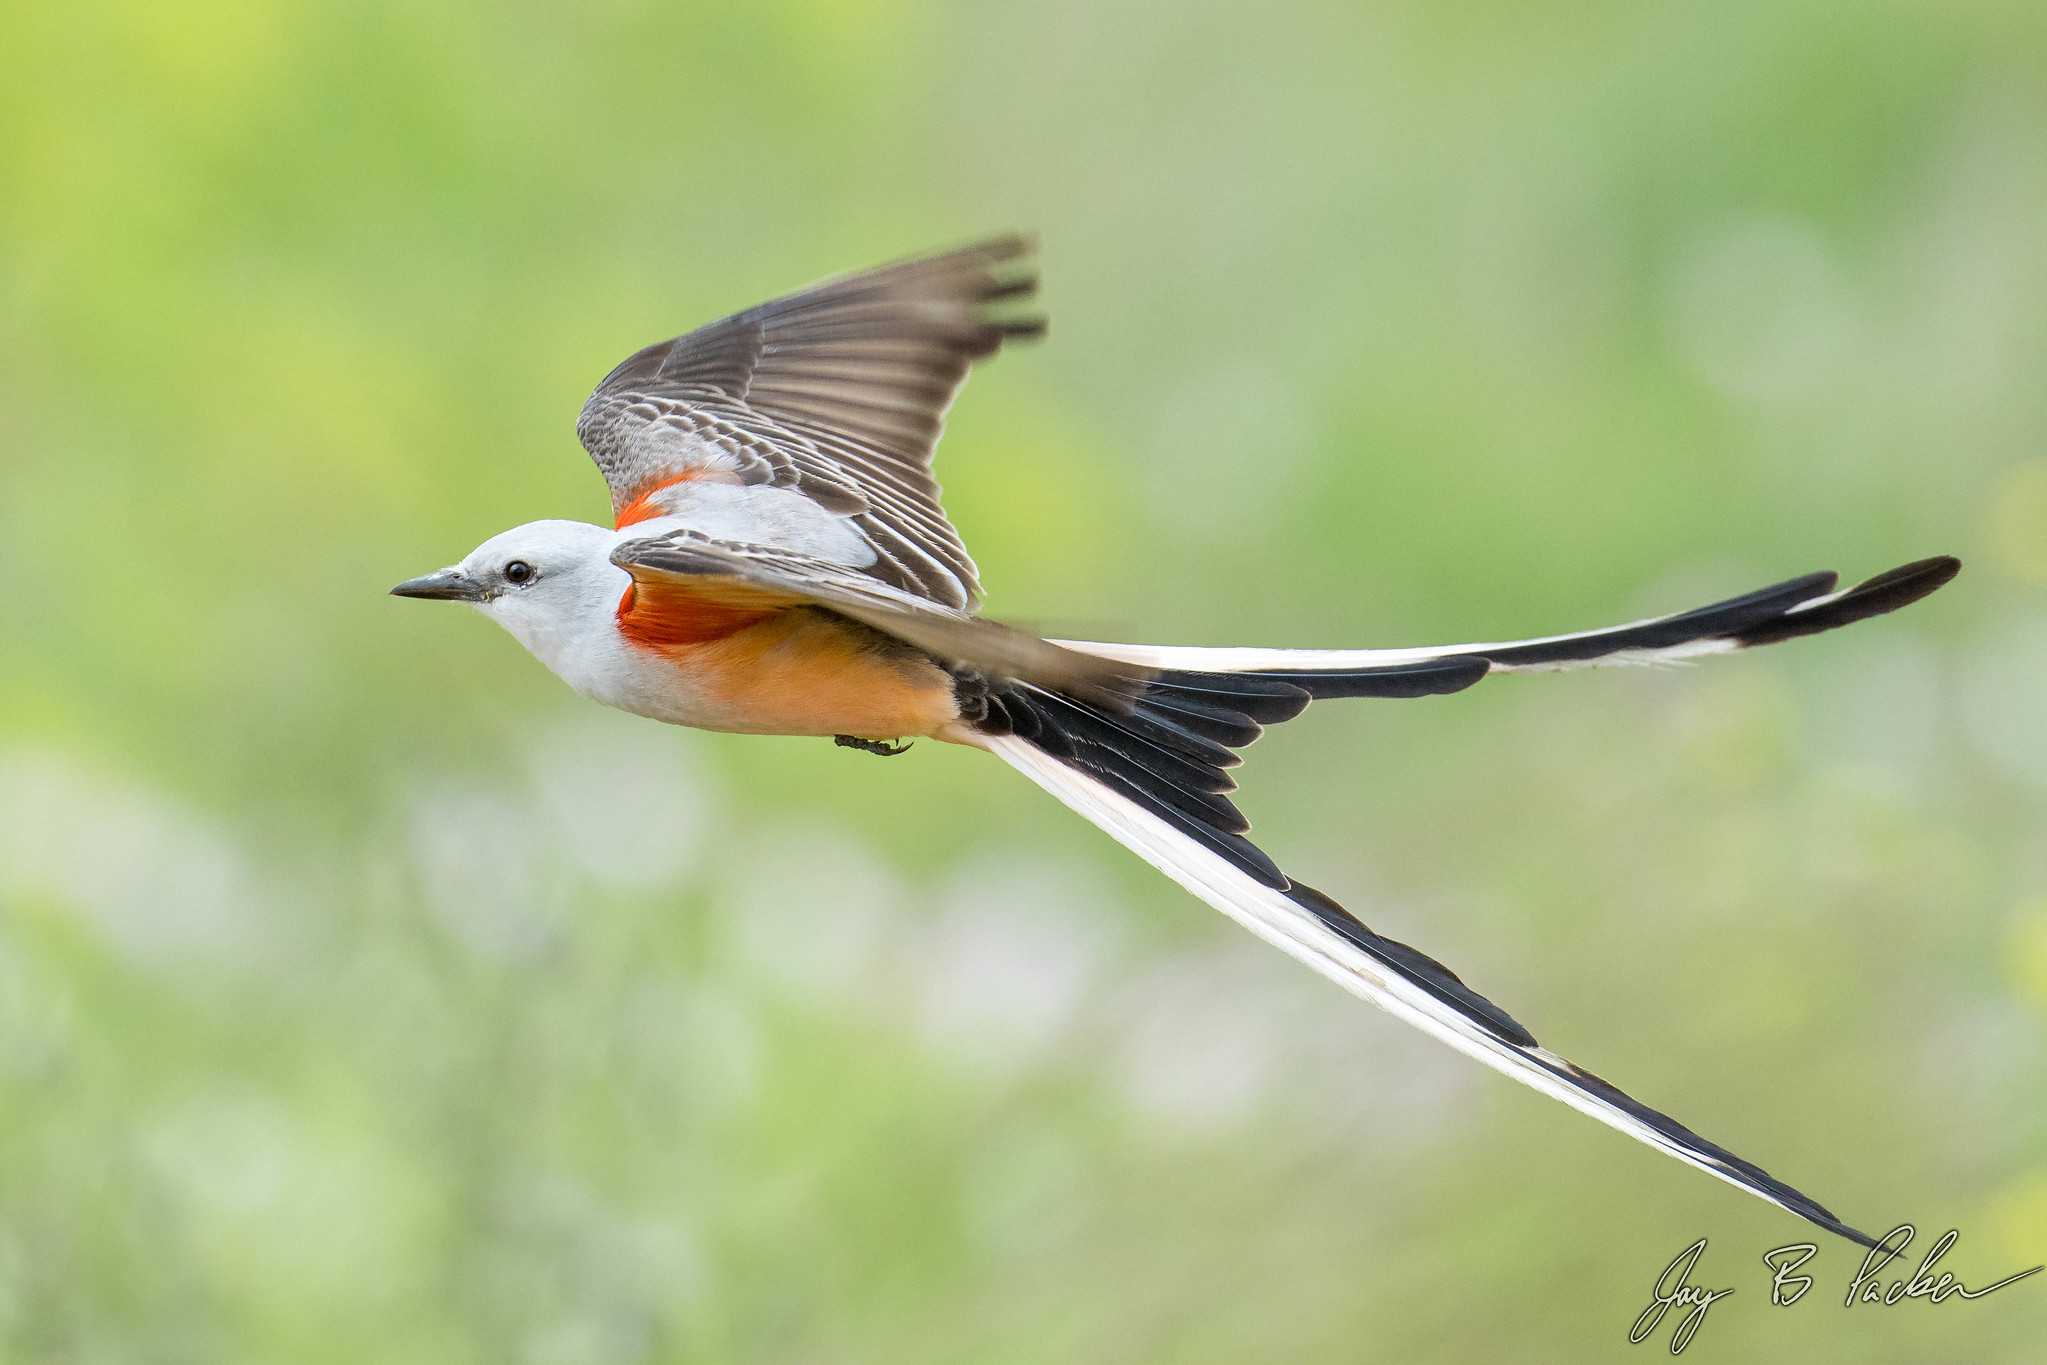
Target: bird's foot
x: 872, y: 746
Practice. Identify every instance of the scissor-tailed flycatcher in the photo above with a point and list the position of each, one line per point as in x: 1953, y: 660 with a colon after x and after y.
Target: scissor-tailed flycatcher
x: 780, y: 564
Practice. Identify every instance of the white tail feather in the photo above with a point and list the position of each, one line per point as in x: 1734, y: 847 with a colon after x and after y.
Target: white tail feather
x: 1270, y: 915
x: 1251, y: 659
x: 1713, y: 626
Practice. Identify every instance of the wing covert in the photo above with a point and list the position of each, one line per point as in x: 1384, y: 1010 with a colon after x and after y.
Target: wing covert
x: 838, y: 392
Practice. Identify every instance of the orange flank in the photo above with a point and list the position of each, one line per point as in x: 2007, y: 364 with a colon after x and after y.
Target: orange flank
x: 807, y: 672
x: 768, y: 666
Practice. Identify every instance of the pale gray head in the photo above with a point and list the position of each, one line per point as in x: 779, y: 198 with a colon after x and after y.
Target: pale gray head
x: 546, y: 582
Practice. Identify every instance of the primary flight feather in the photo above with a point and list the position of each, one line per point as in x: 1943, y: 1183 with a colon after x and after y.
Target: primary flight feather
x: 780, y: 563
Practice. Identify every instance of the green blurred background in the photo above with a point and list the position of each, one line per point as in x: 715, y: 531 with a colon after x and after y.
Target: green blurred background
x: 365, y: 996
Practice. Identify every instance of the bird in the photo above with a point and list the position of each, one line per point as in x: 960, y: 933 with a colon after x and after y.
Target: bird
x: 779, y: 562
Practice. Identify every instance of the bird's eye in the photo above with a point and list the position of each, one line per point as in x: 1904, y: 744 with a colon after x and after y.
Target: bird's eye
x: 519, y: 573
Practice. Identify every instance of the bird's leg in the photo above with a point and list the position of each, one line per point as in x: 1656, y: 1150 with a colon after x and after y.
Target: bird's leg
x: 872, y: 746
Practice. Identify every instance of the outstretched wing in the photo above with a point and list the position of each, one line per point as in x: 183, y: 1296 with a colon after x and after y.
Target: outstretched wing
x: 838, y: 392
x: 727, y: 576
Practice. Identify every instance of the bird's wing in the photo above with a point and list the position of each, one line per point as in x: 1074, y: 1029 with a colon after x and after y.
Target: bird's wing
x: 838, y: 392
x: 727, y: 576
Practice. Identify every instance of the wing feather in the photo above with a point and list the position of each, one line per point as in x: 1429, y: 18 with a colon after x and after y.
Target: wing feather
x: 838, y: 391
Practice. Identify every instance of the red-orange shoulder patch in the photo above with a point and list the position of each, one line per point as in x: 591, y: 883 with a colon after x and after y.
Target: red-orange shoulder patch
x: 643, y: 507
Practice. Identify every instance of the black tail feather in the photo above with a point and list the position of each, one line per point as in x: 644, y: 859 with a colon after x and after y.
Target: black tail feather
x: 1763, y: 617
x: 1418, y: 966
x: 1428, y: 678
x: 1129, y: 754
x: 1749, y: 612
x: 1170, y: 747
x: 1887, y: 592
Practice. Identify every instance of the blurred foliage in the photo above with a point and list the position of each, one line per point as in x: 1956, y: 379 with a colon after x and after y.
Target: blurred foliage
x: 365, y: 996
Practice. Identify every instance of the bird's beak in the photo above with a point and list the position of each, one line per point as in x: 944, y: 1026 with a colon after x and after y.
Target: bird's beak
x: 449, y: 585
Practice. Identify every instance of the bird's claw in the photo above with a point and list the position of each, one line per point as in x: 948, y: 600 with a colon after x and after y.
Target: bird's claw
x: 872, y: 746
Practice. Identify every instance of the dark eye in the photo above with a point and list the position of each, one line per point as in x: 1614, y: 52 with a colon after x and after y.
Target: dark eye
x: 519, y: 573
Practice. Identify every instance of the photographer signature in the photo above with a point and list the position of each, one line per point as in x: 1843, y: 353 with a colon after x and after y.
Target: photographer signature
x: 1674, y: 1288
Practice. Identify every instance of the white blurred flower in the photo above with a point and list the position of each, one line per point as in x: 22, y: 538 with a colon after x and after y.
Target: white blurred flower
x: 626, y: 803
x: 808, y: 907
x: 587, y: 1337
x: 1201, y: 1037
x: 599, y: 806
x: 1373, y: 1082
x: 228, y: 1155
x: 261, y: 1188
x: 164, y: 884
x: 1012, y: 954
x: 482, y: 857
x: 589, y: 1278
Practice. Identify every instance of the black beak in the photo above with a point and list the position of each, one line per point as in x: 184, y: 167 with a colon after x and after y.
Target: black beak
x: 449, y: 585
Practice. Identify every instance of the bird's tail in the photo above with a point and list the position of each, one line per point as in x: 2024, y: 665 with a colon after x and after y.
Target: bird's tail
x: 1783, y: 611
x: 1167, y: 821
x: 1169, y: 745
x: 1154, y: 775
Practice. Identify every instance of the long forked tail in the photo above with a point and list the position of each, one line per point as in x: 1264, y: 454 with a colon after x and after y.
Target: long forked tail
x: 1783, y: 611
x: 1154, y: 777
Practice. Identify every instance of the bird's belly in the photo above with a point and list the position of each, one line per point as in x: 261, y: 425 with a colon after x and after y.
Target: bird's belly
x: 796, y: 673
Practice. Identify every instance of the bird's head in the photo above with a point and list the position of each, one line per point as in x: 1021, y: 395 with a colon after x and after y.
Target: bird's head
x: 541, y: 581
